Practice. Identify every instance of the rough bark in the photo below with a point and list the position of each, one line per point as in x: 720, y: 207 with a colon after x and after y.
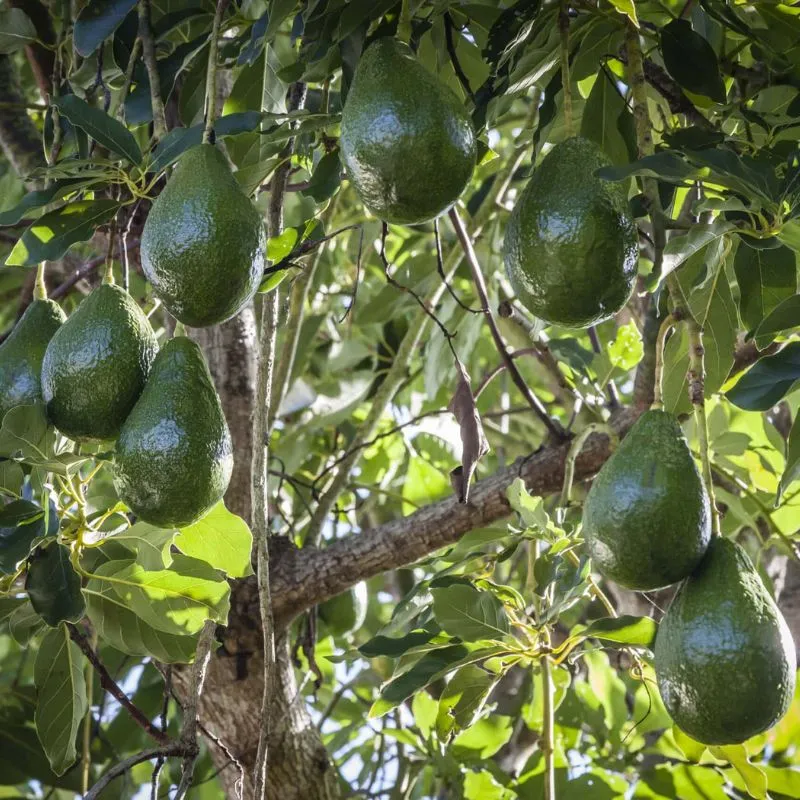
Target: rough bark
x: 19, y: 139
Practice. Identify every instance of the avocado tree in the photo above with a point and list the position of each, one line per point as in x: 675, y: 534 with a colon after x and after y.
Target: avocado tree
x: 318, y: 321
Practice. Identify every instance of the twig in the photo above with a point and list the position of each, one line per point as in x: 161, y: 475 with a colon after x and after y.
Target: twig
x: 566, y: 80
x: 260, y: 487
x: 111, y: 686
x: 149, y: 55
x: 211, y: 74
x: 547, y: 742
x: 82, y: 272
x: 451, y: 51
x: 492, y: 374
x: 118, y: 103
x: 613, y: 395
x: 171, y: 749
x: 358, y: 278
x: 552, y: 425
x: 661, y: 341
x: 163, y: 719
x: 440, y: 270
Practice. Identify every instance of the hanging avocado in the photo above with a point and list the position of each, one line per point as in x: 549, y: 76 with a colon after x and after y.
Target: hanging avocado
x: 203, y: 244
x: 407, y: 141
x: 571, y: 247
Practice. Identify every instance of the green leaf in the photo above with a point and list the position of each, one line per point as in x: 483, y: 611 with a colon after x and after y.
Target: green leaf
x: 8, y: 605
x: 667, y: 166
x: 691, y: 748
x: 326, y: 177
x: 784, y: 317
x: 628, y: 8
x: 691, y: 60
x: 38, y: 199
x: 50, y: 236
x: 21, y: 523
x: 16, y: 30
x: 177, y: 600
x: 768, y: 380
x: 604, y: 116
x: 278, y: 247
x: 279, y: 10
x: 470, y: 614
x: 792, y: 470
x: 98, y: 20
x: 530, y: 508
x: 624, y: 630
x: 24, y: 623
x: 221, y: 539
x: 395, y: 646
x: 533, y: 712
x: 149, y: 544
x: 680, y: 249
x: 462, y: 700
x: 713, y: 306
x: 754, y: 777
x: 105, y: 130
x: 483, y: 786
x: 626, y: 351
x: 61, y: 697
x: 22, y: 760
x: 54, y: 587
x: 766, y: 278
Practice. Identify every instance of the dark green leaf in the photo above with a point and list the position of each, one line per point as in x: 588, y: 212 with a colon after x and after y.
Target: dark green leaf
x: 783, y: 317
x: 21, y: 522
x: 97, y: 22
x: 279, y: 10
x: 666, y: 166
x: 768, y: 380
x: 691, y: 60
x: 421, y: 674
x: 604, y: 116
x: 54, y: 587
x: 470, y: 614
x: 765, y: 278
x: 792, y: 471
x: 390, y: 646
x: 22, y: 759
x: 105, y: 130
x: 39, y: 199
x: 50, y: 236
x: 16, y: 30
x: 61, y: 697
x: 625, y: 630
x: 326, y: 177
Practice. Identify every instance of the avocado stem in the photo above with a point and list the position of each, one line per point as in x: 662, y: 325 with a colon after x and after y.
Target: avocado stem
x: 404, y: 23
x: 211, y: 75
x: 547, y: 742
x: 566, y: 80
x: 180, y: 329
x: 39, y: 288
x: 658, y: 379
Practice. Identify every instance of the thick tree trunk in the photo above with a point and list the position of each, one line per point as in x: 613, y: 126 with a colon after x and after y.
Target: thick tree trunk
x: 299, y: 766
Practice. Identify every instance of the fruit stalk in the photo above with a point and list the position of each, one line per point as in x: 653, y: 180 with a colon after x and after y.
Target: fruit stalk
x: 39, y: 288
x: 658, y: 378
x: 404, y: 23
x: 149, y: 55
x: 566, y: 84
x: 211, y: 75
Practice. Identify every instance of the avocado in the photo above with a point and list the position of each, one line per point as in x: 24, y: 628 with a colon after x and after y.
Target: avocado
x: 96, y: 365
x: 724, y: 657
x: 407, y: 142
x: 647, y: 519
x: 345, y: 612
x: 53, y: 586
x: 21, y: 355
x: 203, y: 244
x: 571, y: 247
x: 174, y: 455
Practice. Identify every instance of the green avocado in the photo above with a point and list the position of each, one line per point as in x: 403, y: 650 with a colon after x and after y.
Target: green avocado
x: 21, y: 355
x: 647, y: 519
x: 571, y: 247
x: 96, y: 365
x: 174, y: 455
x: 345, y: 612
x: 724, y: 657
x: 203, y: 244
x: 407, y: 141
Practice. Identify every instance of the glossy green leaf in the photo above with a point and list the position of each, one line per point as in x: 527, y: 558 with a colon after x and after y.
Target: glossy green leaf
x: 463, y: 698
x: 326, y: 177
x: 755, y: 779
x: 105, y: 130
x: 98, y: 20
x: 53, y: 586
x: 395, y: 646
x: 628, y: 8
x: 768, y: 380
x: 766, y: 278
x: 50, y: 236
x: 21, y: 523
x: 16, y: 30
x: 38, y: 199
x: 691, y: 60
x: 622, y: 630
x: 680, y: 249
x: 221, y: 539
x: 279, y: 11
x: 607, y: 121
x: 792, y: 470
x: 61, y: 697
x: 469, y: 613
x: 783, y: 318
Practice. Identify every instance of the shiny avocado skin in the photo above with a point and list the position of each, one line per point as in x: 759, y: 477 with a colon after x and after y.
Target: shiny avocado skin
x: 724, y: 657
x: 96, y: 365
x: 647, y: 519
x: 203, y: 244
x: 407, y: 141
x: 174, y: 456
x: 22, y: 353
x: 571, y: 247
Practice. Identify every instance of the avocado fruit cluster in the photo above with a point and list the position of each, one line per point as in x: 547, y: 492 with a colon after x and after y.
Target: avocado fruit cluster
x: 203, y: 245
x: 174, y: 455
x: 407, y: 142
x: 724, y: 656
x: 96, y: 365
x: 22, y: 353
x: 646, y: 519
x: 725, y: 660
x: 571, y: 246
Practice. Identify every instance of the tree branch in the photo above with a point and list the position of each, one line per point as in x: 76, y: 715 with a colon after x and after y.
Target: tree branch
x: 111, y: 686
x: 19, y: 138
x: 149, y: 55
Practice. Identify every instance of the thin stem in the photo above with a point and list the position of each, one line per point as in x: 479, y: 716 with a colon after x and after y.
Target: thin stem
x: 547, y: 742
x: 260, y: 486
x: 404, y: 23
x: 566, y: 80
x: 118, y: 103
x: 171, y: 749
x: 86, y: 756
x: 613, y: 395
x: 149, y: 54
x: 39, y: 288
x: 110, y: 685
x: 552, y: 425
x: 661, y: 342
x: 211, y: 75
